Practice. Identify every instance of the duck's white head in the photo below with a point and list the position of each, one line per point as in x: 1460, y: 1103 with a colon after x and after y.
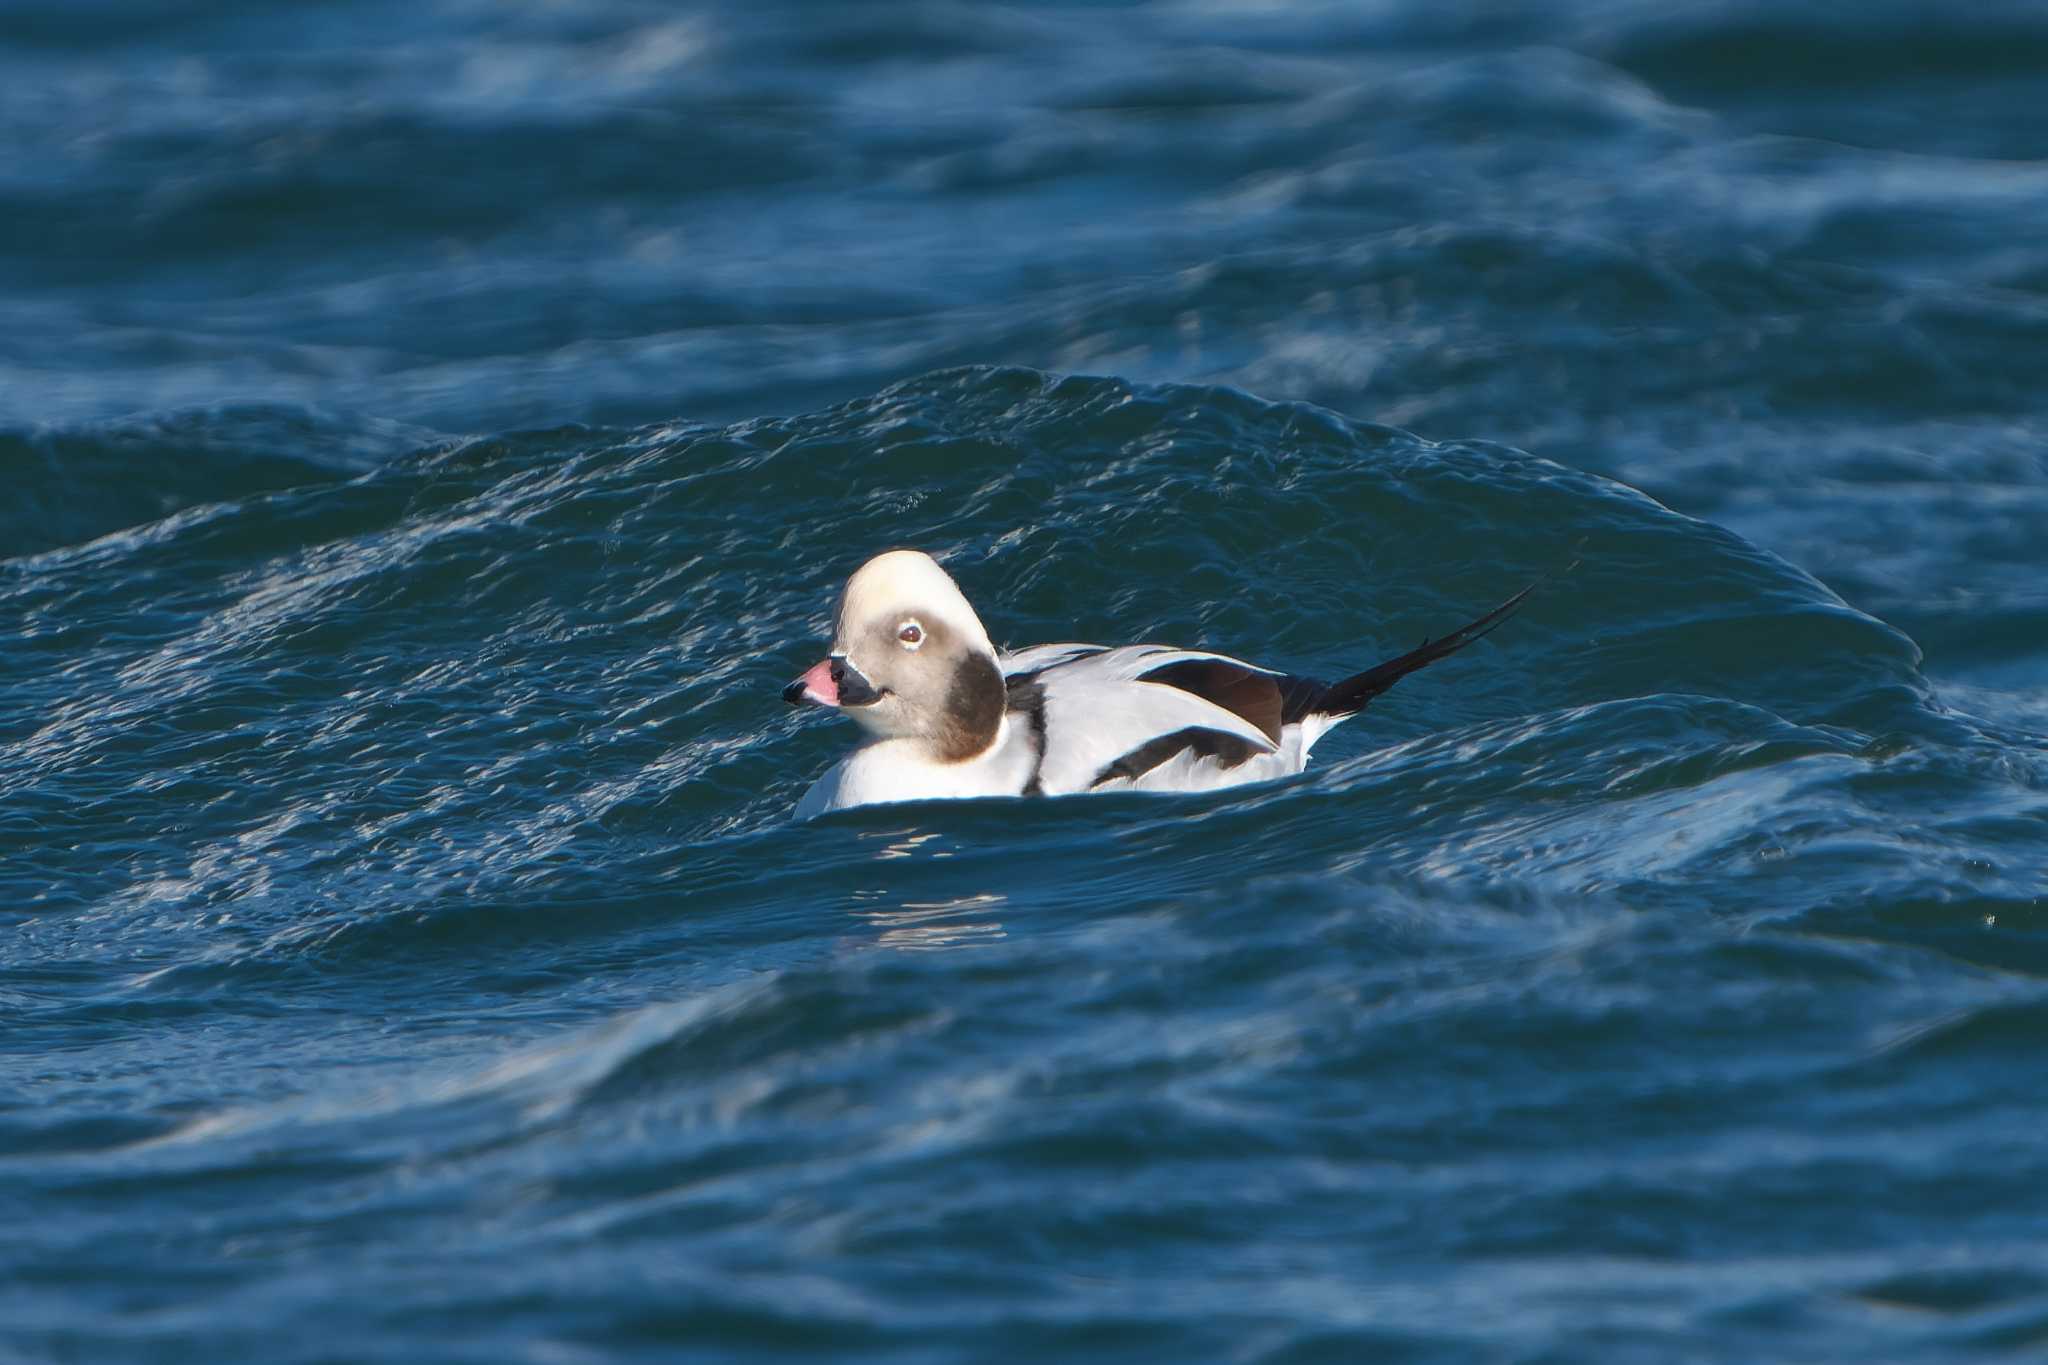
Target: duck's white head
x: 910, y: 659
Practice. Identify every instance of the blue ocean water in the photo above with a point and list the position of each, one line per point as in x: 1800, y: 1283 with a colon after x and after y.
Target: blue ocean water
x: 434, y: 433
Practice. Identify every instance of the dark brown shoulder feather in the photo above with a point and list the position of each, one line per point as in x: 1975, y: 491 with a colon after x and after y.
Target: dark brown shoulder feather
x: 1264, y: 701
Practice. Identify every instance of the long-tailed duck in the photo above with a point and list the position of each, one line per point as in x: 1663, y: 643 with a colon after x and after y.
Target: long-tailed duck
x: 952, y: 717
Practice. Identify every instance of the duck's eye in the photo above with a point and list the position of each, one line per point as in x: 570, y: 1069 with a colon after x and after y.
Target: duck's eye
x: 911, y: 634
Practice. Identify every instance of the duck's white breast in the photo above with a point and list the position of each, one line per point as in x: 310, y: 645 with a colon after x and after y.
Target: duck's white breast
x: 899, y: 770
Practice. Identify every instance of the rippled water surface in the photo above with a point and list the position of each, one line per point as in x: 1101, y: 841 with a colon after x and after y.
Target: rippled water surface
x: 435, y: 432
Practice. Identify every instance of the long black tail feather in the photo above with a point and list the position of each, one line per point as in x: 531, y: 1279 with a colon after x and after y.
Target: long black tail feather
x: 1348, y: 696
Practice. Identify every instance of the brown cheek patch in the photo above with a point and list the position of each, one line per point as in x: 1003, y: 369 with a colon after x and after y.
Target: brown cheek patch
x: 973, y: 710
